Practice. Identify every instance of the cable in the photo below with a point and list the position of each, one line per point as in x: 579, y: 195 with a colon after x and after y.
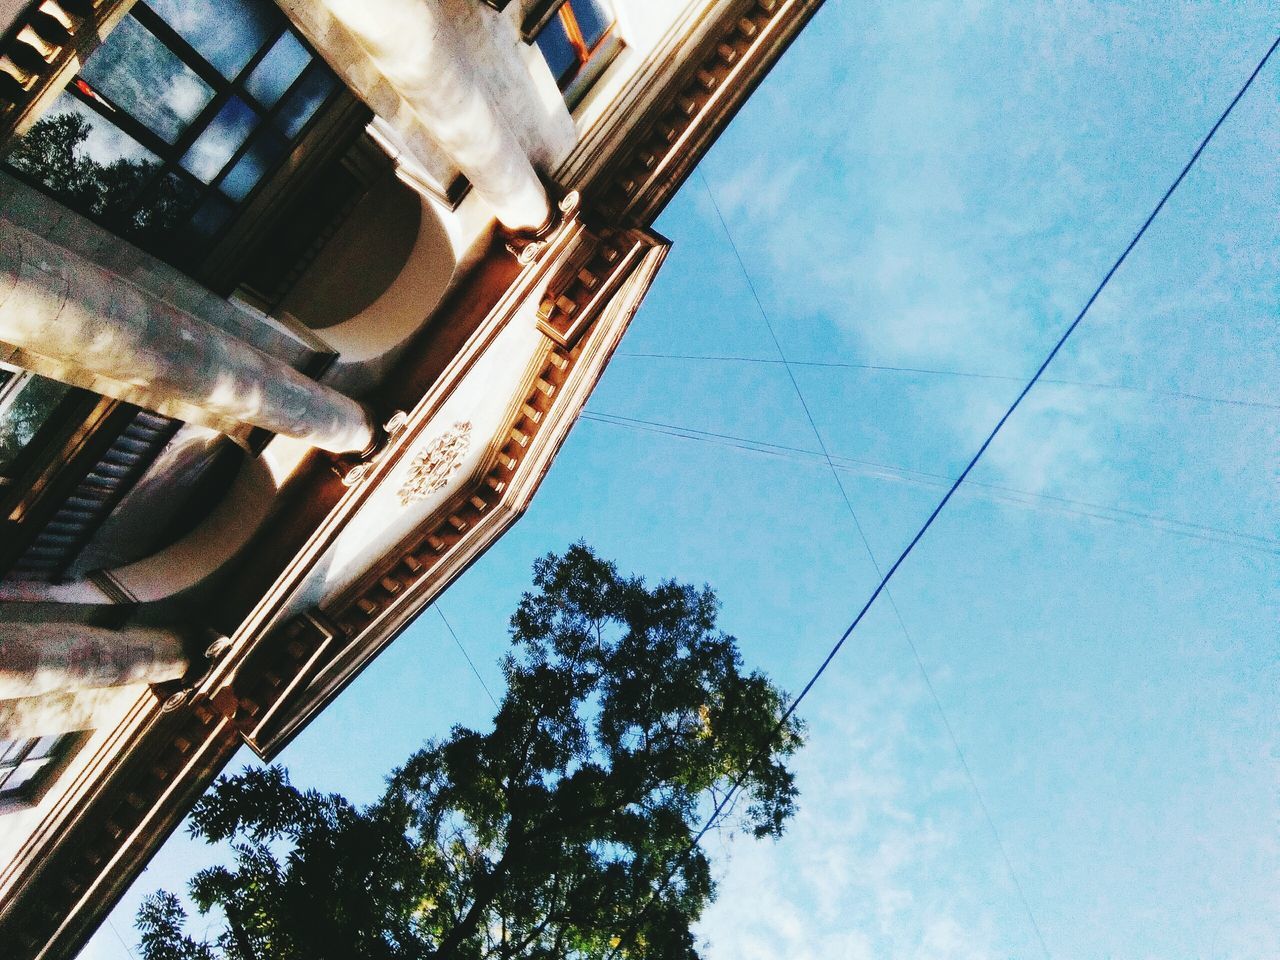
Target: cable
x: 127, y: 948
x: 1171, y: 394
x: 997, y: 492
x: 724, y: 802
x: 875, y: 564
x: 467, y: 656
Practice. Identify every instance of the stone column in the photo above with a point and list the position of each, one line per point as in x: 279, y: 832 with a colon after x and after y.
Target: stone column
x: 41, y: 658
x: 56, y: 304
x: 406, y: 61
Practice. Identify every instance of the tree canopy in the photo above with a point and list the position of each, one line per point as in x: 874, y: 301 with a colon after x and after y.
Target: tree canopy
x: 564, y: 833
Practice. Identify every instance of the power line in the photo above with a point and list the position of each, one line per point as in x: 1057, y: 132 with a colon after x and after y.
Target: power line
x: 875, y: 564
x: 994, y: 491
x: 1061, y: 342
x: 467, y: 656
x: 966, y: 374
x: 725, y: 801
x: 127, y: 948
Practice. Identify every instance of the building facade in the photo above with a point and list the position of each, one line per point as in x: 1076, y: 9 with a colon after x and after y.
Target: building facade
x: 298, y: 301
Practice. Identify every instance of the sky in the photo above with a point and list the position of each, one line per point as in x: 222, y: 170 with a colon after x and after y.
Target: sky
x: 1065, y: 740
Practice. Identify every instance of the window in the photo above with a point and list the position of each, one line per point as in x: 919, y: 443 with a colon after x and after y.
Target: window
x: 27, y: 766
x: 172, y: 123
x: 578, y: 41
x: 28, y: 407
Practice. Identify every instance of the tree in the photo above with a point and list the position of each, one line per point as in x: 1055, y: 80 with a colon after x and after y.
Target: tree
x: 565, y: 833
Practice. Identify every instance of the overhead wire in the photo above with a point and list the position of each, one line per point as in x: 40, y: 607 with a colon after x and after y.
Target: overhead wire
x: 127, y: 949
x: 994, y: 491
x: 471, y: 663
x: 875, y: 564
x: 725, y: 802
x: 963, y: 374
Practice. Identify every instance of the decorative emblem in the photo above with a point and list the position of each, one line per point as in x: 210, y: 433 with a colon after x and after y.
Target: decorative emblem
x: 390, y: 430
x: 436, y: 463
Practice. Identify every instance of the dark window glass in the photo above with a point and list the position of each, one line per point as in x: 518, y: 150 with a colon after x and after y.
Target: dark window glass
x: 104, y: 143
x: 141, y: 76
x: 25, y: 762
x: 26, y: 404
x: 593, y: 19
x: 227, y: 33
x: 220, y: 139
x: 213, y: 213
x: 559, y: 53
x: 304, y: 101
x: 276, y: 72
x: 263, y: 154
x: 168, y: 205
x: 88, y: 163
x: 184, y: 110
x: 573, y: 36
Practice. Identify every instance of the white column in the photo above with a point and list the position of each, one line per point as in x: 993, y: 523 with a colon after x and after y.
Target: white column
x: 423, y: 80
x: 41, y: 658
x: 56, y: 304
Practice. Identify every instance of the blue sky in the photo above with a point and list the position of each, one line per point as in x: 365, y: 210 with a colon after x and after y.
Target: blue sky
x: 940, y: 186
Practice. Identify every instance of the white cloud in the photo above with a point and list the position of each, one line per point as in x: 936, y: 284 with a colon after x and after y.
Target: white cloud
x: 869, y: 867
x: 952, y: 231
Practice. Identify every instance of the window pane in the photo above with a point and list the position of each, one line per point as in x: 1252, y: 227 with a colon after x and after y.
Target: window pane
x: 24, y: 415
x: 85, y: 160
x: 594, y: 19
x: 214, y: 147
x: 209, y: 218
x: 20, y: 777
x: 265, y: 152
x: 44, y: 746
x: 10, y: 750
x: 165, y: 208
x: 557, y: 50
x: 304, y: 101
x: 143, y: 77
x: 277, y: 70
x: 227, y: 33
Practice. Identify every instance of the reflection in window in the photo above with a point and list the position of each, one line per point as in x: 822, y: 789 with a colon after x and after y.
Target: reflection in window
x: 278, y: 69
x: 220, y: 139
x: 577, y: 42
x: 226, y: 34
x: 27, y: 403
x: 144, y: 78
x: 27, y: 763
x: 185, y: 108
x: 304, y: 101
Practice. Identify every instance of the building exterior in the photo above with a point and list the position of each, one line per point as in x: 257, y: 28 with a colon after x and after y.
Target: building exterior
x: 297, y: 303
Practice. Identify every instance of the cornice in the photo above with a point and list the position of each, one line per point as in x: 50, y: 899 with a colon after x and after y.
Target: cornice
x: 681, y: 122
x: 592, y: 294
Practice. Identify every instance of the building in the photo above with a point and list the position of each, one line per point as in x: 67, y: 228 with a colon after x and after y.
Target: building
x: 297, y: 304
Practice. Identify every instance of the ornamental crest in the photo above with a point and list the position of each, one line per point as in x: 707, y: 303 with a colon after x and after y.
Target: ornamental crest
x: 435, y: 464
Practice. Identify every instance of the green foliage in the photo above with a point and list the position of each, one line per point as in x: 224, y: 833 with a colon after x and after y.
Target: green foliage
x: 627, y: 715
x: 24, y: 417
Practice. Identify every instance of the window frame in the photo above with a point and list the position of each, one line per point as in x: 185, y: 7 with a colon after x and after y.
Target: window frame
x: 66, y: 416
x: 52, y: 765
x: 538, y: 18
x: 591, y: 61
x: 182, y: 251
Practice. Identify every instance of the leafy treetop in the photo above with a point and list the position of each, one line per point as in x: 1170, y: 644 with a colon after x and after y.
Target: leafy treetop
x: 627, y: 715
